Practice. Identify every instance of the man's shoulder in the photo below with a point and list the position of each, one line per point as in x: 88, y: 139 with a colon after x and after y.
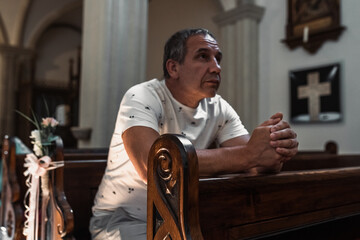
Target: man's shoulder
x: 147, y: 86
x: 147, y: 92
x: 153, y: 83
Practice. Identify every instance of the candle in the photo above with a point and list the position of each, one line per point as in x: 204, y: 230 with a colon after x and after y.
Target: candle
x: 306, y: 34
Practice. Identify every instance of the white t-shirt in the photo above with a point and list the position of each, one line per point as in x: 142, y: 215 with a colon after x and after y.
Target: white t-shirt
x: 151, y: 104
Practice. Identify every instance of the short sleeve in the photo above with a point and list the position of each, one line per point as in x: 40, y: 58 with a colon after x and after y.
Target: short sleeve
x: 140, y: 106
x: 231, y: 126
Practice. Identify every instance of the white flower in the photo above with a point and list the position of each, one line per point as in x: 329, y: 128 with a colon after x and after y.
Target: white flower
x: 35, y: 135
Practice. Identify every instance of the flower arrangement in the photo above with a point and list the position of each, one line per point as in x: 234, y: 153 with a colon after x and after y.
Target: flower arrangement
x: 37, y: 166
x: 43, y: 135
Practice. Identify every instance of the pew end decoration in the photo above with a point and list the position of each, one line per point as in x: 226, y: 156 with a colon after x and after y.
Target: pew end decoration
x: 172, y: 210
x: 47, y: 214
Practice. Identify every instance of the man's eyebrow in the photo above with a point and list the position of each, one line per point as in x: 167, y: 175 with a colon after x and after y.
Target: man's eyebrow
x: 219, y: 53
x: 203, y: 50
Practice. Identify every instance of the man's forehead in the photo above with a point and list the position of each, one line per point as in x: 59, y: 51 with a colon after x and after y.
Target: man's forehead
x: 201, y: 41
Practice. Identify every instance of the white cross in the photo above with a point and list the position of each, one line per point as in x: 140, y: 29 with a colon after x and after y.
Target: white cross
x: 313, y: 91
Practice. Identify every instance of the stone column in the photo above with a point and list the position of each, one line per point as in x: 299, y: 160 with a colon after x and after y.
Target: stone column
x: 113, y: 59
x: 240, y: 44
x: 11, y: 59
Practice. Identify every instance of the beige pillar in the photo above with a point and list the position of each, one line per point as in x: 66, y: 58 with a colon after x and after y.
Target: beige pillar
x: 240, y: 44
x: 11, y: 60
x: 113, y: 60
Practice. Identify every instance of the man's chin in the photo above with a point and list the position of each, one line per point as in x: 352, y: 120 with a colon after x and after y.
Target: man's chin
x: 210, y: 89
x: 212, y: 92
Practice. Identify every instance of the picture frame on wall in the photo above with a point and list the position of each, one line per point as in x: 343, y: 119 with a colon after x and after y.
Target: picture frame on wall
x: 315, y: 94
x: 311, y: 23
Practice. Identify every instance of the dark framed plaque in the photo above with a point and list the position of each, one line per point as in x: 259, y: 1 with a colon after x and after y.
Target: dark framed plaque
x: 311, y: 22
x: 315, y: 94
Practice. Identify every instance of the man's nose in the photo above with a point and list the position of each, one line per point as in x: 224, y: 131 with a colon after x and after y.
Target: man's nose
x: 215, y: 66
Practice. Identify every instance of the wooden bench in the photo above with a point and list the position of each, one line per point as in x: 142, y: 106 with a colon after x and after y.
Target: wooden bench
x: 11, y: 213
x: 83, y: 172
x: 80, y: 178
x: 330, y: 147
x: 329, y: 151
x: 310, y: 203
x: 58, y: 211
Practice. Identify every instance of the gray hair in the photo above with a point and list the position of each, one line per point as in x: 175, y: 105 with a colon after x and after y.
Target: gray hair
x: 175, y: 47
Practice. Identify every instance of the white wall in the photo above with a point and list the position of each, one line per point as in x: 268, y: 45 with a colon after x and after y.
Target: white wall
x: 276, y: 60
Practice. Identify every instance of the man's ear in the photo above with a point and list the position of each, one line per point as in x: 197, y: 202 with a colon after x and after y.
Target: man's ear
x: 172, y: 67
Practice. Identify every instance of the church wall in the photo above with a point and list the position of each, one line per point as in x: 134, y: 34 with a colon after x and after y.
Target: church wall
x: 56, y: 46
x: 50, y: 43
x: 276, y: 60
x: 166, y: 17
x: 54, y: 50
x: 40, y: 11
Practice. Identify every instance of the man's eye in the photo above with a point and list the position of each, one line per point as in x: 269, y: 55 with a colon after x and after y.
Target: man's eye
x: 204, y: 56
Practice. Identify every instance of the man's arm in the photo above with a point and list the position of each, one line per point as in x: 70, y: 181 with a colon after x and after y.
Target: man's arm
x: 270, y: 144
x: 227, y: 159
x: 235, y: 155
x: 138, y: 141
x: 240, y: 154
x: 255, y: 149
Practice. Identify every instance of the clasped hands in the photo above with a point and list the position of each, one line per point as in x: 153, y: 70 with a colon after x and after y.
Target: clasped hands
x: 275, y: 142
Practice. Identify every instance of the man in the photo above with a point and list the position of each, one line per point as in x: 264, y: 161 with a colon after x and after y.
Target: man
x: 184, y: 103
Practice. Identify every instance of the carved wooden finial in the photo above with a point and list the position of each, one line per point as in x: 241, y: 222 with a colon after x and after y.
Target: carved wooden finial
x: 172, y: 168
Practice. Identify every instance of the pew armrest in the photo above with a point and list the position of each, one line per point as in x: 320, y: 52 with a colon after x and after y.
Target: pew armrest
x: 173, y: 179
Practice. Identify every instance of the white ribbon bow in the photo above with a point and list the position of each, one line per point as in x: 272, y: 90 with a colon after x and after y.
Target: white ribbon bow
x: 35, y: 168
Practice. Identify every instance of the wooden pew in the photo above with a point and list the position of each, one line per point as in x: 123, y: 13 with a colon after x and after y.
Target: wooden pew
x: 330, y: 147
x: 82, y: 173
x: 59, y: 220
x: 58, y: 210
x: 329, y: 151
x: 59, y: 223
x: 311, y: 203
x: 10, y: 210
x: 172, y: 198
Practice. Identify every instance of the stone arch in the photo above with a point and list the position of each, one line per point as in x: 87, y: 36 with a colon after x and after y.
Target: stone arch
x: 48, y: 20
x: 19, y: 26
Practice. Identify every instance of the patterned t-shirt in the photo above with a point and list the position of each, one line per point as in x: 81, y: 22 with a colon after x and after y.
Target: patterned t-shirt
x: 151, y: 104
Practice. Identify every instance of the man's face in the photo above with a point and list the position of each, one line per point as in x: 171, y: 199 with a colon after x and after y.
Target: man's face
x: 199, y: 74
